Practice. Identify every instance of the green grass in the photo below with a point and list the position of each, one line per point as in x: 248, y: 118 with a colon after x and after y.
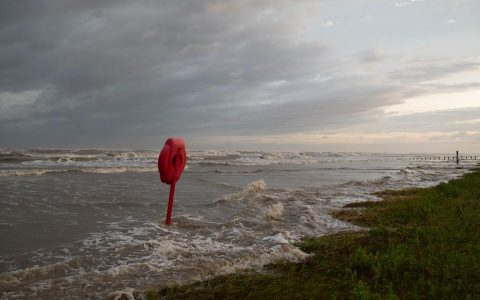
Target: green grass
x: 422, y: 244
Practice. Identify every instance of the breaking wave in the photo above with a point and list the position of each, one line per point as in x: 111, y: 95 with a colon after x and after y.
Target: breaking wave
x: 111, y: 170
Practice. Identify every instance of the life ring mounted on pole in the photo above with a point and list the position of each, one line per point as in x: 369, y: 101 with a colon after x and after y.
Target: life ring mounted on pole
x: 172, y: 160
x: 171, y: 163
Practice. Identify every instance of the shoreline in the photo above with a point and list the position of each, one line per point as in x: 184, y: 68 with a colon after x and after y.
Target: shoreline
x: 366, y: 264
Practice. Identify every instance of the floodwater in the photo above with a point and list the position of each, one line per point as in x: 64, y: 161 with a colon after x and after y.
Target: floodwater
x: 88, y: 223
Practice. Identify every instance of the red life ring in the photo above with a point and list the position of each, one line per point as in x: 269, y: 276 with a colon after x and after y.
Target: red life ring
x: 172, y: 160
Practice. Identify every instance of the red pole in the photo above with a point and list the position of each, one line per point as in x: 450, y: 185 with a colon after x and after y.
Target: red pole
x: 170, y: 203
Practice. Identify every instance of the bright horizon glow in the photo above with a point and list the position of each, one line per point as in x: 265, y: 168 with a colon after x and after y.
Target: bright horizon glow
x: 436, y: 102
x: 405, y: 142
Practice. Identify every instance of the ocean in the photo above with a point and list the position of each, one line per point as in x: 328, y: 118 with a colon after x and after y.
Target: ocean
x: 89, y: 224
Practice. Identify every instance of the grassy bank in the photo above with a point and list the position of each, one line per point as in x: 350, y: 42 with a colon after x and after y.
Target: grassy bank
x: 422, y: 244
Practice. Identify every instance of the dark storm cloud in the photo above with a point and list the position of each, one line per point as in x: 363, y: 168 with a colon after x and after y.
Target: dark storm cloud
x: 96, y: 70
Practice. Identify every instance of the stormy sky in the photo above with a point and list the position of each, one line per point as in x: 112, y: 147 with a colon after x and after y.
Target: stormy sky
x: 376, y: 75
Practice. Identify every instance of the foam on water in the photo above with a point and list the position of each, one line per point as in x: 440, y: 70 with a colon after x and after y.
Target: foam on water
x: 46, y: 161
x: 274, y: 212
x: 111, y: 170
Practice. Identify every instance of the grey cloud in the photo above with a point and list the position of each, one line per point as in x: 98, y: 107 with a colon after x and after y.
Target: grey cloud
x: 371, y: 56
x: 144, y: 68
x: 420, y: 70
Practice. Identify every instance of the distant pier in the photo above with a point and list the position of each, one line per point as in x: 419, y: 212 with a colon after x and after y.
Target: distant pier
x: 455, y: 158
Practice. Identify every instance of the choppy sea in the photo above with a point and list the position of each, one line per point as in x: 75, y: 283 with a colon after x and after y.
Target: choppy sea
x: 87, y: 224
